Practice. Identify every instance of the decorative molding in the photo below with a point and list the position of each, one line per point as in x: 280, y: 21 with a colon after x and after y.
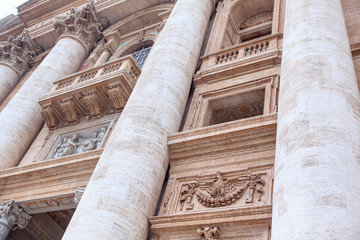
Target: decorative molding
x: 78, y: 195
x: 50, y: 116
x: 209, y: 233
x: 16, y: 216
x: 84, y: 24
x: 19, y: 52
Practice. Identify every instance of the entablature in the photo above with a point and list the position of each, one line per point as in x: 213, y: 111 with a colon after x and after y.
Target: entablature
x: 92, y: 93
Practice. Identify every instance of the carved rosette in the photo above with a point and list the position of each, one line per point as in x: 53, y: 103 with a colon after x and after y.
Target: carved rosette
x: 84, y: 24
x: 19, y: 53
x: 209, y: 233
x: 78, y: 195
x: 16, y: 216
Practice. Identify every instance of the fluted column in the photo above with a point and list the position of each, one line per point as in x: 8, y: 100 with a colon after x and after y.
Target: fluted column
x: 317, y: 167
x: 11, y: 218
x: 124, y: 188
x: 21, y: 119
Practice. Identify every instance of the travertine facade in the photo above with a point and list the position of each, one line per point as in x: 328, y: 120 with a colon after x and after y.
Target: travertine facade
x: 165, y: 119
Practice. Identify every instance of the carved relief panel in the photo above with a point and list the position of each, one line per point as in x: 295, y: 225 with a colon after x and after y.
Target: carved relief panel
x: 81, y: 138
x: 220, y: 190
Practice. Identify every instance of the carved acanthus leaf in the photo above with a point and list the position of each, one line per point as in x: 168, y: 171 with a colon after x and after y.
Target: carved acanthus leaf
x: 16, y: 216
x: 19, y: 52
x: 84, y: 24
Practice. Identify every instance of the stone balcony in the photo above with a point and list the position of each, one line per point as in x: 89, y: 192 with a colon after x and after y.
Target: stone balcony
x: 91, y: 93
x: 244, y: 57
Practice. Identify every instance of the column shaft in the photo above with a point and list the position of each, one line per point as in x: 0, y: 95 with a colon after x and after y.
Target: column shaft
x: 21, y: 120
x: 8, y: 80
x: 317, y: 168
x: 124, y: 188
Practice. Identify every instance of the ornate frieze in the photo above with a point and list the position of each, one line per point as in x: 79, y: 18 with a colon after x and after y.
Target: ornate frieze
x: 19, y: 52
x: 84, y: 24
x: 77, y: 144
x: 16, y: 216
x: 209, y: 233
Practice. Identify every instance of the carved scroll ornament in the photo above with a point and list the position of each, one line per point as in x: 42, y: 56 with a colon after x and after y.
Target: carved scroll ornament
x: 84, y: 25
x: 221, y: 192
x: 16, y: 216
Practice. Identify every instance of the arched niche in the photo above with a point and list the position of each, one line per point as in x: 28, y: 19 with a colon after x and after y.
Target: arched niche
x: 248, y: 19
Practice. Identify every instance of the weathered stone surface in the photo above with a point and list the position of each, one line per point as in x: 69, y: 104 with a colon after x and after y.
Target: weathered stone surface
x: 317, y: 157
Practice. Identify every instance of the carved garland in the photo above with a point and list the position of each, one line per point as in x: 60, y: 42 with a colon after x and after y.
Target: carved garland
x: 221, y: 192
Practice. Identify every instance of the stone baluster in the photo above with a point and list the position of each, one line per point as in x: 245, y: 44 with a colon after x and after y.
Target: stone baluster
x: 12, y: 217
x: 317, y: 168
x: 21, y: 119
x: 124, y: 188
x: 15, y: 59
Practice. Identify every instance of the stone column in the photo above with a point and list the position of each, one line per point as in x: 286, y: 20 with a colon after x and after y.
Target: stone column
x: 317, y: 167
x: 124, y: 188
x: 11, y: 218
x: 15, y: 58
x: 106, y: 51
x: 21, y: 119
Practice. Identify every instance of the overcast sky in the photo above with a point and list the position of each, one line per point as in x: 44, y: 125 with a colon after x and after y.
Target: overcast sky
x: 8, y: 7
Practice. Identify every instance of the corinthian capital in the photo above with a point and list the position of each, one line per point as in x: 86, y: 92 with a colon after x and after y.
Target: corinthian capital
x: 84, y: 24
x: 18, y: 53
x: 16, y: 216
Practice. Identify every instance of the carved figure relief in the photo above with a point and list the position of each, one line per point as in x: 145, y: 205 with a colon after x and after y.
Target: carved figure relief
x: 75, y: 144
x: 16, y: 216
x: 209, y: 233
x: 84, y: 24
x: 186, y: 196
x: 221, y: 192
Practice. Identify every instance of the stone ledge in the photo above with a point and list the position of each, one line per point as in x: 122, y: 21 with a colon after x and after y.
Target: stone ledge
x: 58, y: 177
x: 243, y: 215
x: 241, y: 134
